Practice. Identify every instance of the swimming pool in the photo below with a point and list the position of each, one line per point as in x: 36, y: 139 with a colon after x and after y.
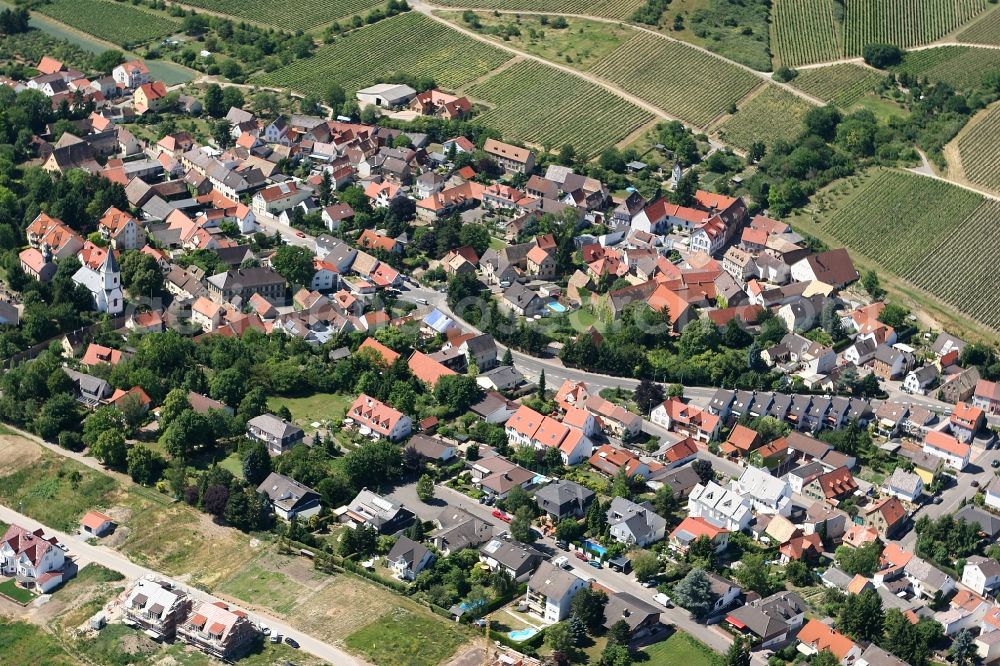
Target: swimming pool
x: 595, y: 548
x: 557, y: 307
x: 522, y: 634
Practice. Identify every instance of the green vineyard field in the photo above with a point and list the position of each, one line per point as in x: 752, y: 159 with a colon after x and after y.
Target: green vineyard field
x: 962, y: 269
x: 771, y: 115
x: 575, y: 111
x: 904, y: 22
x: 961, y: 67
x: 984, y: 31
x: 841, y: 85
x: 677, y: 78
x: 289, y: 14
x: 979, y: 149
x: 118, y: 23
x: 803, y: 31
x: 409, y: 43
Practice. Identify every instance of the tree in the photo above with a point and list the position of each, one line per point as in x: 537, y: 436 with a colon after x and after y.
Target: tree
x: 703, y: 469
x: 144, y: 465
x: 861, y: 616
x: 664, y: 502
x: 882, y: 56
x: 175, y: 403
x: 894, y: 315
x: 373, y: 464
x: 215, y: 105
x: 110, y: 449
x: 141, y: 275
x: 425, y: 488
x: 247, y: 509
x: 863, y: 560
x: 560, y: 638
x: 683, y: 194
x: 541, y: 385
x: 568, y: 530
x: 645, y: 565
x: 508, y: 358
x: 753, y: 574
x: 256, y: 463
x: 619, y: 633
x: 101, y: 420
x: 588, y: 605
x: 963, y: 648
x: 694, y: 592
x: 597, y: 519
x: 738, y: 653
x: 294, y: 263
x: 870, y: 281
x: 456, y: 392
x: 520, y: 527
x: 335, y: 96
x: 108, y: 60
x: 798, y: 573
x: 362, y: 541
x: 822, y: 121
x: 615, y: 655
x: 824, y: 658
x: 648, y: 395
x: 215, y: 499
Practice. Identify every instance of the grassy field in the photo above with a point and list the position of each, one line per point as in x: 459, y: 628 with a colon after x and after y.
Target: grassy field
x: 23, y: 643
x: 580, y: 44
x: 297, y: 15
x: 979, y: 151
x: 934, y: 227
x: 420, y: 47
x: 618, y: 9
x: 683, y: 81
x: 804, y: 31
x: 405, y: 639
x: 316, y: 407
x: 771, y: 115
x: 9, y: 589
x: 841, y: 85
x: 574, y: 111
x: 680, y: 648
x: 266, y: 587
x: 961, y: 67
x: 902, y: 22
x: 985, y: 30
x: 47, y: 487
x: 115, y: 22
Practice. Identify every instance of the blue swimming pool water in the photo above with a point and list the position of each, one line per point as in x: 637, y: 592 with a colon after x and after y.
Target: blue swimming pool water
x: 522, y: 634
x: 557, y: 307
x: 595, y: 548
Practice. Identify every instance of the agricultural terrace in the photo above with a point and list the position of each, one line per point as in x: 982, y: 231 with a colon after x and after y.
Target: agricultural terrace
x: 841, y: 85
x: 681, y: 80
x: 417, y: 45
x: 962, y: 269
x: 297, y: 15
x: 961, y: 67
x: 984, y: 31
x: 576, y: 111
x: 121, y: 24
x: 898, y: 216
x: 772, y: 114
x: 979, y: 152
x: 903, y: 22
x: 616, y: 9
x: 804, y: 31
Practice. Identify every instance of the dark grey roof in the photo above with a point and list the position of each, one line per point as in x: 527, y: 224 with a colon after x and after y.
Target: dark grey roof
x: 632, y: 609
x: 551, y: 581
x: 429, y: 447
x: 558, y: 493
x: 286, y: 493
x: 988, y: 523
x: 246, y: 278
x: 275, y: 426
x: 409, y: 550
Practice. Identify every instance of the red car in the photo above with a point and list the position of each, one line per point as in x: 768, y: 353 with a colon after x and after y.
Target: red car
x: 580, y: 555
x: 497, y: 513
x: 300, y: 234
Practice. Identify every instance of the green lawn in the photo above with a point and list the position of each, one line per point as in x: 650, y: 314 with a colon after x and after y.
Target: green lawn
x: 680, y: 648
x: 265, y: 587
x: 23, y: 643
x: 316, y: 407
x: 9, y: 589
x: 55, y: 491
x: 232, y: 464
x: 405, y: 639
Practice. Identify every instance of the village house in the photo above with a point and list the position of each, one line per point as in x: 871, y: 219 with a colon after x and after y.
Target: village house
x: 635, y: 524
x: 954, y: 453
x: 510, y: 158
x: 379, y: 419
x: 564, y: 499
x: 289, y: 498
x: 518, y: 560
x: 720, y: 506
x: 34, y: 562
x: 886, y: 516
x: 986, y: 396
x: 245, y: 283
x: 770, y: 495
x: 965, y: 421
x: 550, y: 591
x: 816, y: 637
x: 981, y: 575
x: 688, y: 420
x: 277, y: 434
x: 156, y: 607
x: 770, y: 620
x: 131, y: 74
x: 692, y: 528
x: 369, y: 509
x: 907, y: 486
x: 218, y: 631
x: 529, y: 428
x: 407, y: 558
x: 457, y: 529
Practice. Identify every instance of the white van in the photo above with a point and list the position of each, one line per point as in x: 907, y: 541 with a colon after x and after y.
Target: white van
x: 663, y: 600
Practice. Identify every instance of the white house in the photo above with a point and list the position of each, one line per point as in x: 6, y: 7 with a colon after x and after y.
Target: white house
x: 904, y: 485
x: 550, y: 591
x: 131, y: 74
x: 289, y: 498
x: 719, y: 505
x: 35, y: 562
x: 273, y: 200
x: 954, y: 453
x: 992, y: 493
x: 981, y: 574
x: 769, y: 494
x: 635, y: 524
x: 408, y: 558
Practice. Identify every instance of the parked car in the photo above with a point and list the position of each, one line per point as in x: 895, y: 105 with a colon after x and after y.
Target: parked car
x: 995, y: 464
x: 595, y: 563
x: 505, y: 517
x: 300, y: 234
x: 663, y: 600
x: 562, y: 562
x: 275, y: 637
x: 937, y: 499
x: 562, y: 545
x: 291, y: 642
x: 266, y: 630
x: 974, y: 484
x: 580, y: 556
